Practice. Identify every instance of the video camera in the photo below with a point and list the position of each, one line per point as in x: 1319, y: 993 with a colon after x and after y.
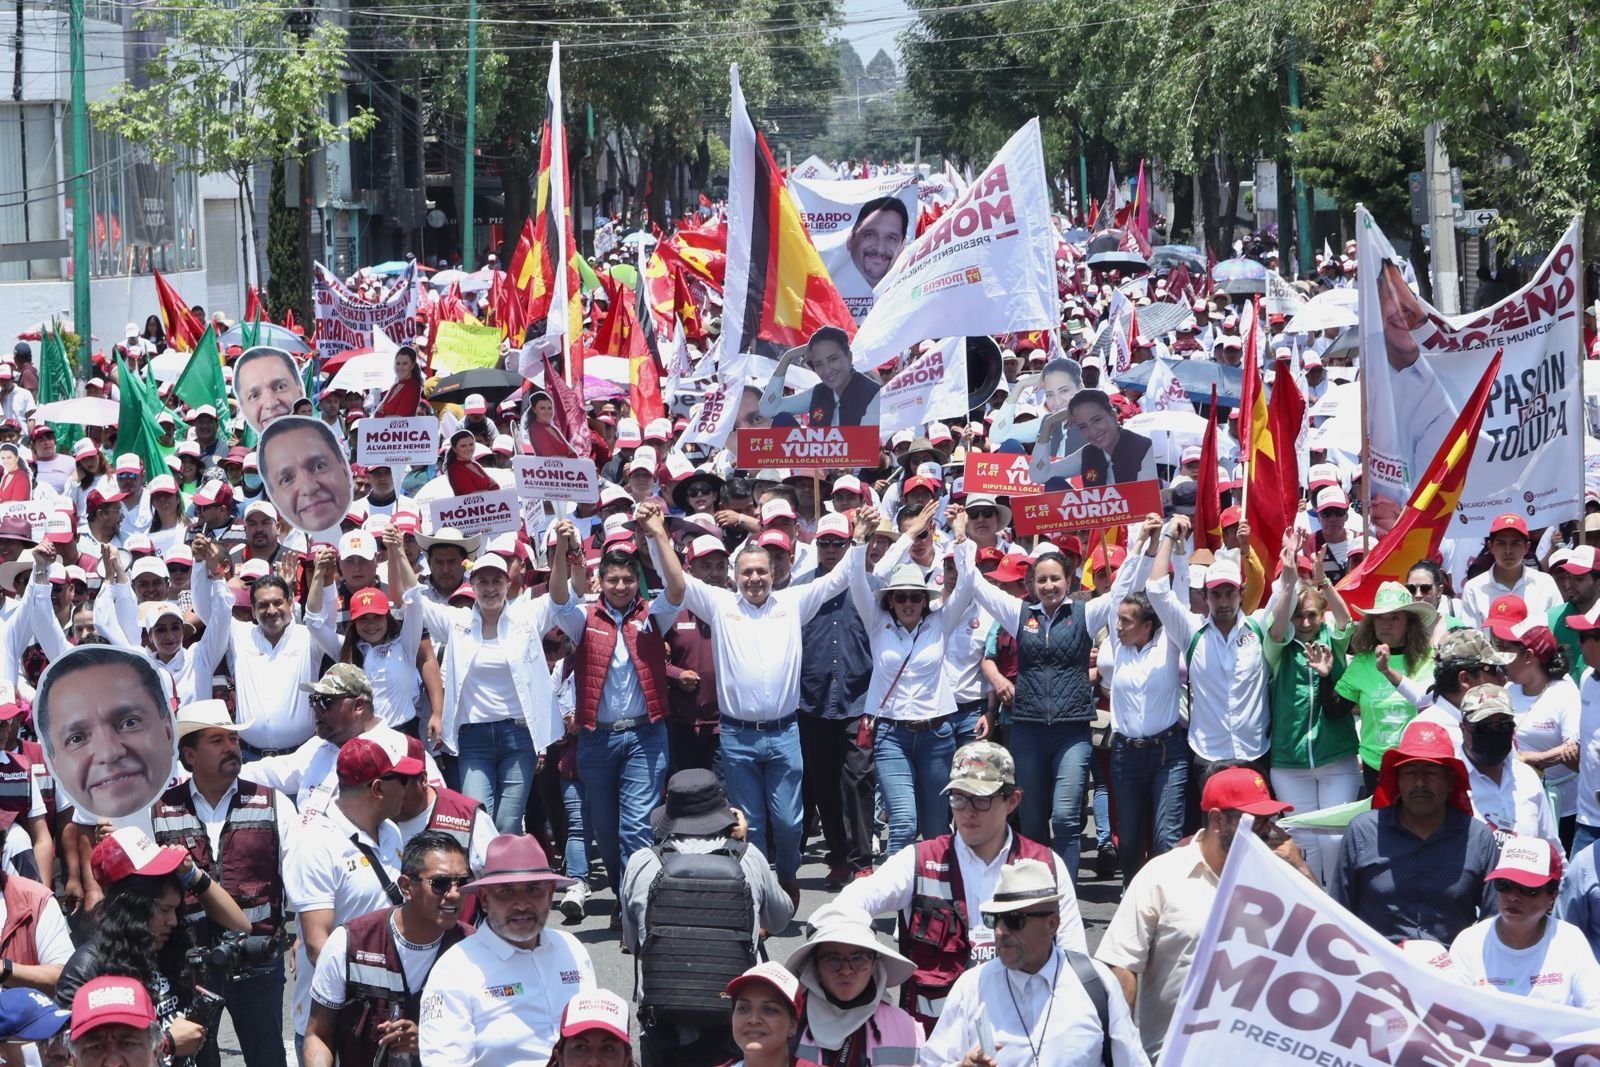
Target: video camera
x: 237, y: 952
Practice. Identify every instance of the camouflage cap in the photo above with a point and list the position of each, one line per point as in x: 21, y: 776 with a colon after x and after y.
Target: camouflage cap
x: 982, y: 769
x: 1485, y: 702
x: 341, y: 680
x: 1466, y: 646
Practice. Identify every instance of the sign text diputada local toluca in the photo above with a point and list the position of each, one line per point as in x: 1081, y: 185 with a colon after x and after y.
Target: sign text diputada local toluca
x: 809, y: 446
x: 1086, y: 509
x: 1000, y: 473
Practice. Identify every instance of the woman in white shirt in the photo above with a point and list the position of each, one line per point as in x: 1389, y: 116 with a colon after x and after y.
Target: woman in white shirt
x: 167, y: 522
x: 1525, y: 951
x: 498, y: 713
x: 909, y: 699
x: 1547, y: 705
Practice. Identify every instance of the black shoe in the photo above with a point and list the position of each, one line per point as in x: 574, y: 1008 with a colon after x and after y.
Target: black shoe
x: 1106, y: 864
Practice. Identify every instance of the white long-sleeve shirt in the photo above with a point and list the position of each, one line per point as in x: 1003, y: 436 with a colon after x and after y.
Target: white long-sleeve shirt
x: 921, y: 690
x: 391, y: 667
x: 1536, y: 588
x: 1227, y: 678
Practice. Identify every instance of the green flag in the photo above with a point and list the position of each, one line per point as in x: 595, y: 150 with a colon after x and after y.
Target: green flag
x: 55, y: 382
x: 250, y: 332
x: 137, y: 429
x: 201, y: 381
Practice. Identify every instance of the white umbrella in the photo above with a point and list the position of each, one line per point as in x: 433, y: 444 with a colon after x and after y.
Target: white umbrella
x: 83, y: 410
x: 639, y: 237
x: 1339, y: 399
x: 370, y: 370
x: 1341, y: 436
x: 1170, y: 432
x: 446, y: 278
x: 1334, y: 309
x: 168, y: 366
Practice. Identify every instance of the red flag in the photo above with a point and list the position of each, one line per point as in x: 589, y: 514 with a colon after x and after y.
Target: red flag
x: 1208, y: 284
x: 619, y: 333
x: 568, y: 405
x: 1432, y: 506
x: 254, y: 310
x: 1141, y: 207
x: 288, y: 317
x: 688, y: 312
x: 523, y: 262
x: 644, y: 389
x: 1207, y: 498
x: 1268, y: 431
x: 709, y: 265
x: 183, y: 330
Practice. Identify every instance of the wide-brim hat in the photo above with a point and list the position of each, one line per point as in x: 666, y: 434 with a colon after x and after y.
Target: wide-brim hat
x: 513, y: 859
x: 680, y: 492
x: 907, y: 578
x: 837, y: 924
x: 696, y: 806
x: 1024, y: 884
x: 985, y: 500
x: 449, y: 535
x: 922, y: 444
x: 1422, y: 741
x: 10, y: 572
x: 1392, y: 597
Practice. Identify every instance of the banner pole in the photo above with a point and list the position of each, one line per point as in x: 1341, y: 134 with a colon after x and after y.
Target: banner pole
x: 1583, y: 397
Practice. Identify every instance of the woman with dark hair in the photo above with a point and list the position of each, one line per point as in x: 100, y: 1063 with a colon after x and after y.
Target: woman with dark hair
x: 168, y: 524
x: 137, y: 930
x: 1391, y: 643
x: 15, y: 482
x: 466, y: 474
x: 91, y: 467
x: 405, y: 395
x: 1547, y: 705
x: 1425, y: 583
x: 1109, y: 454
x: 154, y: 332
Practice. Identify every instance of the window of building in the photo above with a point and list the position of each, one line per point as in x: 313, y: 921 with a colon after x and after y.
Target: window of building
x: 30, y: 187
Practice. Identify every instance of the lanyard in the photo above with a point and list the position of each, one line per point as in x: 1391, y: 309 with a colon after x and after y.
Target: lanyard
x: 1027, y: 1030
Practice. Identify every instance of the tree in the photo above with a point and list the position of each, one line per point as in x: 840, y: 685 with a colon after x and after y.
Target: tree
x: 233, y: 87
x: 290, y: 287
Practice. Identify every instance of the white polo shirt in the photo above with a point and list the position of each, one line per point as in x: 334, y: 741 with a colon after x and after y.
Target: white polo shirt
x: 325, y: 871
x: 489, y: 1003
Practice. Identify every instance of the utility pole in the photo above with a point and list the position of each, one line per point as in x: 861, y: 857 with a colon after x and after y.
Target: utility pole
x: 1302, y: 214
x: 1083, y: 178
x: 1441, y: 216
x: 79, y: 185
x: 468, y: 208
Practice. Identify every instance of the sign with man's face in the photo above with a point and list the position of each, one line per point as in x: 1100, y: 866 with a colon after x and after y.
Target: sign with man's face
x: 104, y: 717
x: 305, y: 474
x: 266, y: 383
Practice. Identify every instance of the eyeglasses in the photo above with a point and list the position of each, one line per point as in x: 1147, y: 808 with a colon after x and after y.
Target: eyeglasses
x: 126, y: 477
x: 1333, y: 513
x: 908, y: 598
x: 983, y: 513
x: 832, y: 542
x: 961, y: 801
x: 1420, y: 589
x: 1015, y: 920
x: 443, y: 883
x: 1508, y: 887
x: 838, y: 961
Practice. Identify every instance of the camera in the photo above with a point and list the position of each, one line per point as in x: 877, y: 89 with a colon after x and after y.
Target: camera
x: 236, y: 952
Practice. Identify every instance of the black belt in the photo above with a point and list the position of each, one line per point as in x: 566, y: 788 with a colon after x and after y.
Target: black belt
x: 763, y: 726
x: 918, y: 726
x: 262, y: 753
x: 622, y: 725
x: 967, y: 707
x: 1153, y: 739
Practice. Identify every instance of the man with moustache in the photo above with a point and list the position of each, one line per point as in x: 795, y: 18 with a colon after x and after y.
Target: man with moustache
x: 496, y: 998
x: 235, y: 831
x: 379, y: 962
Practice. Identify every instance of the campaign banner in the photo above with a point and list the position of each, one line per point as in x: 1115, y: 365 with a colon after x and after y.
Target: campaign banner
x: 998, y: 473
x: 1283, y: 974
x: 36, y: 513
x: 985, y: 266
x: 808, y: 446
x: 859, y: 227
x: 397, y: 442
x: 555, y: 478
x: 1090, y: 508
x: 932, y: 387
x: 1419, y: 367
x: 477, y: 513
x: 460, y: 346
x: 345, y: 320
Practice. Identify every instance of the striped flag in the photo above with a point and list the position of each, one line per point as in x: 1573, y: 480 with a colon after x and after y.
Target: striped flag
x: 1207, y: 524
x: 777, y: 291
x: 1272, y: 491
x: 182, y: 328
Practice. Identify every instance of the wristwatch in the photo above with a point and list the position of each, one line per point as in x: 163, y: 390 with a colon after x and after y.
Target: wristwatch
x: 6, y: 967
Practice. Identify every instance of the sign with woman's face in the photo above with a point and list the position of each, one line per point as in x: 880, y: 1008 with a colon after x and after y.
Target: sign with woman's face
x: 104, y: 717
x: 266, y: 383
x: 305, y: 474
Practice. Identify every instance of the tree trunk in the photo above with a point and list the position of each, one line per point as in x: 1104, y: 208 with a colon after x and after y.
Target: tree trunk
x: 251, y: 248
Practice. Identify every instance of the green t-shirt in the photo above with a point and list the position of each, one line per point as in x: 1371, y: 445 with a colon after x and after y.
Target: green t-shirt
x: 1567, y: 638
x: 1383, y: 711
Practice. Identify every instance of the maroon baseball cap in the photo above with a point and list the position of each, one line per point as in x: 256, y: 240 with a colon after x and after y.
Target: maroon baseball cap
x: 130, y: 850
x: 374, y: 754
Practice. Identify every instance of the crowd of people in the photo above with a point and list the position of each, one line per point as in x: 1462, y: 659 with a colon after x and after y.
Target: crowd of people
x: 411, y: 759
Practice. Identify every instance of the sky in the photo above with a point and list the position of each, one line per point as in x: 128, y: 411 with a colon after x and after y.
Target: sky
x: 874, y: 24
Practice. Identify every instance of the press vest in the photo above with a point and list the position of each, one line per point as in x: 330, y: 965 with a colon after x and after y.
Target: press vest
x: 891, y: 1036
x: 374, y: 979
x: 1053, y: 667
x: 592, y: 660
x: 16, y: 785
x: 698, y: 935
x: 935, y: 936
x: 251, y: 851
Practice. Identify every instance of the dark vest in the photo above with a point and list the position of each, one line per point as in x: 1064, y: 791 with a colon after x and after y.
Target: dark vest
x: 373, y: 980
x: 16, y: 785
x: 698, y: 936
x: 858, y: 393
x: 251, y: 851
x: 935, y: 937
x: 1053, y: 671
x: 646, y: 649
x: 454, y: 813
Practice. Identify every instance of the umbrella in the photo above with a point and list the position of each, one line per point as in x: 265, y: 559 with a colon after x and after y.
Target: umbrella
x: 363, y: 369
x: 607, y: 368
x: 332, y: 363
x: 1155, y: 319
x: 637, y: 238
x: 1240, y: 275
x: 1170, y: 432
x: 1117, y: 260
x: 494, y: 385
x: 1165, y: 257
x: 626, y: 274
x: 168, y: 366
x: 1333, y: 309
x: 1197, y: 376
x: 469, y: 283
x: 1341, y: 436
x: 271, y: 334
x: 1338, y: 400
x: 397, y: 266
x: 1346, y: 344
x: 593, y: 388
x: 82, y: 410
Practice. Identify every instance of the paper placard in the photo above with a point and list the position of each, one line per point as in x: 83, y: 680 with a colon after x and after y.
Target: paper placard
x: 555, y: 478
x: 408, y: 441
x: 1092, y: 508
x: 477, y: 513
x: 808, y: 446
x: 998, y: 473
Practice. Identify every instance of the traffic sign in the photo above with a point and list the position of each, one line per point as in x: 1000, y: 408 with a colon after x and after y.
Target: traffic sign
x: 1476, y: 218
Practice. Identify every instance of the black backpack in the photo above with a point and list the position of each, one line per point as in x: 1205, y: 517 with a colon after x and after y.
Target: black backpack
x: 699, y: 918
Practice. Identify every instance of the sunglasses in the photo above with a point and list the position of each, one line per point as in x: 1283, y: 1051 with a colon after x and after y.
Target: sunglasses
x: 1421, y: 589
x: 924, y: 535
x: 321, y: 701
x: 832, y: 542
x: 908, y: 598
x: 1014, y: 920
x: 983, y: 513
x: 443, y: 883
x: 1333, y: 513
x: 838, y: 961
x: 961, y: 802
x: 1508, y: 887
x: 700, y: 490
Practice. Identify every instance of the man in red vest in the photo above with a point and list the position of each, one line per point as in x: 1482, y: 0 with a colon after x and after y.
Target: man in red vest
x: 236, y: 832
x: 938, y: 886
x: 620, y: 669
x: 425, y: 806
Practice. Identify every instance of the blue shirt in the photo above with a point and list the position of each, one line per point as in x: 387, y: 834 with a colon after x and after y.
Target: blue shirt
x: 1406, y: 887
x: 836, y: 661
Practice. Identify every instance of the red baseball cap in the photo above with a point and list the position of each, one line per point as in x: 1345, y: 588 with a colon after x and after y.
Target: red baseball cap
x: 368, y: 602
x: 1230, y: 517
x: 1104, y: 556
x: 130, y: 850
x: 920, y: 481
x: 599, y: 1009
x: 775, y: 539
x: 374, y: 754
x: 111, y: 1001
x: 1010, y: 569
x: 1531, y: 634
x: 990, y: 554
x: 1509, y: 521
x: 1240, y: 789
x: 1507, y: 609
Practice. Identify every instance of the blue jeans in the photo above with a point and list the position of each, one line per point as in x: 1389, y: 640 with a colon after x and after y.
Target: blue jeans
x: 1149, y: 781
x: 763, y: 771
x: 497, y: 761
x: 576, y: 850
x: 1582, y: 838
x: 967, y: 718
x: 1052, y: 769
x: 913, y: 769
x: 622, y: 772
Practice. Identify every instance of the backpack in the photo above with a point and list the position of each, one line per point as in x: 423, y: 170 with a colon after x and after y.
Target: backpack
x: 699, y: 918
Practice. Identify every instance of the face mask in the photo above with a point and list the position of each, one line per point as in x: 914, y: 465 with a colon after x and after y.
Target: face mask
x: 252, y: 482
x: 1490, y: 748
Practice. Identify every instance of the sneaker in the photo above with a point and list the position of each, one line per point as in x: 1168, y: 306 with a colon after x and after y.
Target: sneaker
x: 573, y: 900
x: 1106, y: 863
x: 864, y: 872
x: 838, y: 875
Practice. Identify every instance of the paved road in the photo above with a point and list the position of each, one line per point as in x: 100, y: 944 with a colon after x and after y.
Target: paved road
x: 1097, y: 900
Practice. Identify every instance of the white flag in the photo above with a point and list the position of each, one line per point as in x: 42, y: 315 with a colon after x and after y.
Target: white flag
x: 1162, y: 392
x: 933, y: 387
